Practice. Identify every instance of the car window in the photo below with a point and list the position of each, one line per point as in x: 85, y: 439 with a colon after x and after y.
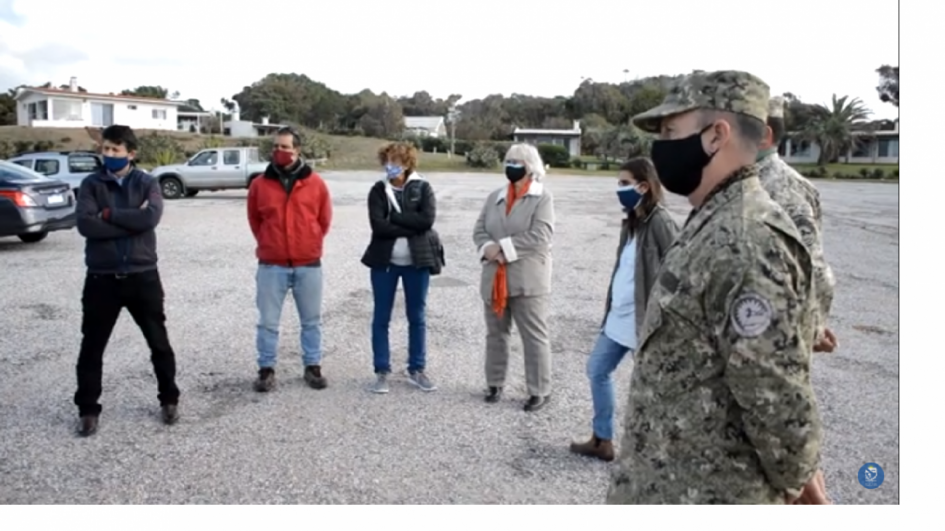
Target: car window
x: 82, y: 163
x: 231, y: 157
x: 16, y: 172
x: 26, y: 163
x: 207, y: 158
x: 46, y: 166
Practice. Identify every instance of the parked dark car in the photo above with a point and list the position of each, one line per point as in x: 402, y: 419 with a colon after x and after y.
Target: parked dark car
x: 31, y: 205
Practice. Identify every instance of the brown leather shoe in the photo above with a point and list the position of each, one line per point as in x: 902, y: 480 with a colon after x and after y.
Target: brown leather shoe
x: 169, y: 414
x: 88, y: 425
x: 599, y: 448
x: 314, y: 378
x: 266, y: 381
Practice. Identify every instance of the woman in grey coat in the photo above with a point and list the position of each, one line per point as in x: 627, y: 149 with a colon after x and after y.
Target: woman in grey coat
x: 647, y: 233
x: 513, y: 235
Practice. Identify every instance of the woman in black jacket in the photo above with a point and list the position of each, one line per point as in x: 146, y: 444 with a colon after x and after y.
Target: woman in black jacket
x: 402, y: 210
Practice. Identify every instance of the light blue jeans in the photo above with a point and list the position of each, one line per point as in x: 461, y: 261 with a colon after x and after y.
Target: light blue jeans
x: 601, y: 364
x: 272, y: 285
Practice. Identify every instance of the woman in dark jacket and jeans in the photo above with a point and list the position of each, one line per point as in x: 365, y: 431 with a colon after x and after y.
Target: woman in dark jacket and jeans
x: 404, y: 246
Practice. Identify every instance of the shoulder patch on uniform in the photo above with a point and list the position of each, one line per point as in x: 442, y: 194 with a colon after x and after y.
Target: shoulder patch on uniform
x: 805, y: 227
x: 751, y: 315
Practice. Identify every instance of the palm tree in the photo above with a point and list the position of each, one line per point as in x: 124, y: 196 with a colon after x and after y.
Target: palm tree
x: 832, y: 126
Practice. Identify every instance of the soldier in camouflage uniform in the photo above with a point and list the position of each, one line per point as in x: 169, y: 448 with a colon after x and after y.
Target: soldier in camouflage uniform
x: 801, y: 200
x: 721, y: 406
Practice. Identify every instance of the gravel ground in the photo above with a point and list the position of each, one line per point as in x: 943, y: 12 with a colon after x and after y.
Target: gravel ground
x: 344, y: 445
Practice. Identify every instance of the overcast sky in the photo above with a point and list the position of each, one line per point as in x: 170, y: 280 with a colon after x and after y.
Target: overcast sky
x: 208, y: 50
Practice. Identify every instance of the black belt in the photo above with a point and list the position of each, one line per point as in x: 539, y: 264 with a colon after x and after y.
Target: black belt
x: 290, y: 263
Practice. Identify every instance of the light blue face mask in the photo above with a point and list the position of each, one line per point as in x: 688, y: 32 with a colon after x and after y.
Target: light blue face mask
x: 393, y: 171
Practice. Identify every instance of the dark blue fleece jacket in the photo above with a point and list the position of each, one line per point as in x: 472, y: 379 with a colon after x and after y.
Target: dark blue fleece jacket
x: 119, y: 234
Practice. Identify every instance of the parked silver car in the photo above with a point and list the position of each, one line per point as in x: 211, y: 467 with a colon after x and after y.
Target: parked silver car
x: 67, y: 166
x: 210, y: 170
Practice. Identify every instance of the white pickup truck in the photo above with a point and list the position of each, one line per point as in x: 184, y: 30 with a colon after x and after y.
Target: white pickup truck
x: 227, y: 168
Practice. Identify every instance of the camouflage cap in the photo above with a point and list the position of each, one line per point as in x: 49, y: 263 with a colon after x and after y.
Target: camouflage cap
x: 776, y: 107
x: 724, y: 90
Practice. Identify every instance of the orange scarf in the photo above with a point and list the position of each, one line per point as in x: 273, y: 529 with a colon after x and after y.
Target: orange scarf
x: 500, y: 286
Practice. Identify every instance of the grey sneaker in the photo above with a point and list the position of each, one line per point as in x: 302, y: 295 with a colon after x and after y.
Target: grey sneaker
x: 380, y: 386
x: 422, y: 382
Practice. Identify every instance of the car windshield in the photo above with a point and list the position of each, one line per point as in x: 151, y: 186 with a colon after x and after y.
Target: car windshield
x: 14, y: 172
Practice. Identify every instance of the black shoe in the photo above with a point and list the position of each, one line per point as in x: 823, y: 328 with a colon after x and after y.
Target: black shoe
x: 314, y: 378
x: 536, y: 402
x: 88, y: 425
x: 169, y: 414
x: 494, y: 394
x: 266, y: 381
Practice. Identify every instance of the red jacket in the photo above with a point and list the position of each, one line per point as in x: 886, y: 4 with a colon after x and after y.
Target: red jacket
x: 289, y: 227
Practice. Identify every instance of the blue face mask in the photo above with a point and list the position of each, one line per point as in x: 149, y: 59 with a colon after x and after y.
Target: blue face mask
x: 115, y: 164
x: 393, y: 171
x: 629, y: 197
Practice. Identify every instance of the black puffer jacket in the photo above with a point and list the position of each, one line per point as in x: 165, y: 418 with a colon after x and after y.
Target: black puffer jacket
x: 414, y: 222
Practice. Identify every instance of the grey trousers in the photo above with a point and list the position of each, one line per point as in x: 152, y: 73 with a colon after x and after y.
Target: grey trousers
x: 531, y: 318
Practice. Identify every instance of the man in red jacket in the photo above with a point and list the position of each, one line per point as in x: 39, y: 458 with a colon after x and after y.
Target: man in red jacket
x: 289, y: 211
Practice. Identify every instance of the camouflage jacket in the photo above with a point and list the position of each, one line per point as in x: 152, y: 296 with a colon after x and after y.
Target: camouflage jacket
x: 801, y: 200
x: 721, y: 407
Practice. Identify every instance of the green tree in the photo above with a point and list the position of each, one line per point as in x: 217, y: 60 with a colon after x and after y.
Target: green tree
x: 831, y: 127
x: 151, y: 91
x: 888, y: 88
x: 292, y: 98
x: 8, y: 107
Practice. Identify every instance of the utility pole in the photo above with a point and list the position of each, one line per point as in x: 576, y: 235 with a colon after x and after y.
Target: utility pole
x: 452, y: 115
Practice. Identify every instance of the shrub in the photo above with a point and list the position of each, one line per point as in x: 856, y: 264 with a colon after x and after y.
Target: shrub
x: 839, y: 175
x: 895, y: 173
x: 576, y: 162
x: 429, y: 144
x: 7, y: 150
x: 501, y: 147
x: 878, y: 173
x: 821, y: 172
x: 554, y: 155
x: 482, y: 156
x: 159, y: 150
x: 65, y: 140
x: 212, y: 142
x: 462, y: 147
x: 865, y: 173
x: 265, y: 149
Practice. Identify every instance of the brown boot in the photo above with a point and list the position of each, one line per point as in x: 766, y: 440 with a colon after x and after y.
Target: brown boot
x: 599, y: 448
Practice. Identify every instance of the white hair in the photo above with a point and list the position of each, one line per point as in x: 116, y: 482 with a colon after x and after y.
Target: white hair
x: 530, y: 156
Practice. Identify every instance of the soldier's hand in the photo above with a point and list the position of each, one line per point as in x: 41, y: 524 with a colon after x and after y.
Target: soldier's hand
x: 828, y: 343
x: 814, y: 492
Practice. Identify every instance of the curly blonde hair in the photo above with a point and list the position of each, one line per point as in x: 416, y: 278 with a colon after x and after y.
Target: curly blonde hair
x: 402, y: 152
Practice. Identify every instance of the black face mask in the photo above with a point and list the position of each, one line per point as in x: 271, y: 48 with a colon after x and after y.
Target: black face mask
x: 515, y: 173
x: 679, y: 162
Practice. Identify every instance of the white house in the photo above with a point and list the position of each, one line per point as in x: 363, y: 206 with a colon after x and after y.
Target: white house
x: 49, y: 107
x: 431, y: 126
x: 874, y: 147
x: 568, y: 138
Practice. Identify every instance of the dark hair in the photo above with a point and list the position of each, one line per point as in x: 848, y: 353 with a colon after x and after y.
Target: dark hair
x: 643, y: 171
x: 777, y: 130
x: 750, y: 130
x: 121, y: 135
x: 288, y: 131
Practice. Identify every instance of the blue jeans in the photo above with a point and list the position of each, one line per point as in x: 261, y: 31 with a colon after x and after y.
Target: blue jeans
x: 602, y: 363
x: 384, y: 284
x: 272, y: 285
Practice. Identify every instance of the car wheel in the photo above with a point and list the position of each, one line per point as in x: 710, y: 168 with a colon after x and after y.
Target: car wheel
x: 171, y: 188
x: 192, y: 193
x: 33, y: 237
